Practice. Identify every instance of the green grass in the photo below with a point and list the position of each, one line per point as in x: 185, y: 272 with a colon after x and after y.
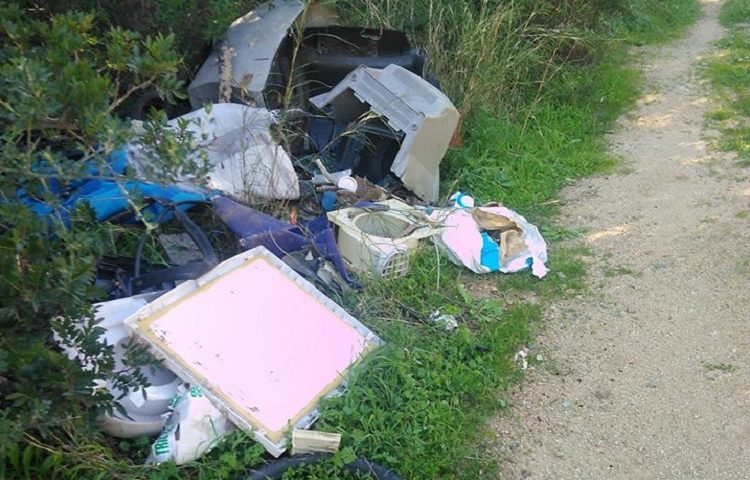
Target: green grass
x: 419, y: 401
x: 729, y: 73
x: 724, y: 367
x: 524, y: 162
x: 652, y: 22
x: 734, y: 12
x: 567, y: 275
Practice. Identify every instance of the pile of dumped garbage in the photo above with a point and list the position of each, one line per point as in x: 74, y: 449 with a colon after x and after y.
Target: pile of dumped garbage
x: 256, y: 340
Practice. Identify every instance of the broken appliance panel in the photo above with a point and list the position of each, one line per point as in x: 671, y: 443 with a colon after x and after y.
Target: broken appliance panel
x: 269, y: 55
x: 411, y: 106
x: 255, y: 39
x: 328, y: 54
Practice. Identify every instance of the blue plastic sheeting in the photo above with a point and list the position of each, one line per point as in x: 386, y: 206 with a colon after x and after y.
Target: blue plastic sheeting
x: 254, y: 228
x: 490, y: 256
x: 107, y: 197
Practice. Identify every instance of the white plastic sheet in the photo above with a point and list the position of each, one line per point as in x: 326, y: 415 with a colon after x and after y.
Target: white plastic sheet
x: 462, y: 241
x: 245, y: 162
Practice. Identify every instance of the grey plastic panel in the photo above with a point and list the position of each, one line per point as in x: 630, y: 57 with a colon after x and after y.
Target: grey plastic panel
x: 255, y: 39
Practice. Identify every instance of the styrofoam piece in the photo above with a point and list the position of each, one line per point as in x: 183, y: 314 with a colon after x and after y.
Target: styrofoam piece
x: 377, y: 242
x: 411, y: 105
x: 263, y: 343
x: 255, y: 39
x: 245, y: 161
x: 137, y: 426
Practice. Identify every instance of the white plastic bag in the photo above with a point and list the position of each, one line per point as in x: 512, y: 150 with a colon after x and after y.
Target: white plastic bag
x: 466, y: 242
x: 194, y: 428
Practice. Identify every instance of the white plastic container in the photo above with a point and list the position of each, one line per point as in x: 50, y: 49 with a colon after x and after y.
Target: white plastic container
x: 134, y: 427
x: 377, y: 242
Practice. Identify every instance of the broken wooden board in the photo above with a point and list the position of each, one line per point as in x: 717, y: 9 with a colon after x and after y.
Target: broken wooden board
x: 263, y: 343
x: 310, y: 441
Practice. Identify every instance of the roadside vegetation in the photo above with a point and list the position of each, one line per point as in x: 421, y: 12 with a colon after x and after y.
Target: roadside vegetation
x: 538, y: 82
x: 729, y: 73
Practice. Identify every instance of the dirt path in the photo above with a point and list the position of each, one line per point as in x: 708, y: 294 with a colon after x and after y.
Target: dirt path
x: 648, y: 375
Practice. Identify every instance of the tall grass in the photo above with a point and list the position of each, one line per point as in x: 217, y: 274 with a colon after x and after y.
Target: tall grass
x: 734, y: 12
x: 729, y: 73
x: 538, y: 82
x: 485, y: 53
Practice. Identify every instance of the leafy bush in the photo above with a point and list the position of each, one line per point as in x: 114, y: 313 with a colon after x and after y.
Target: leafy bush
x: 62, y: 80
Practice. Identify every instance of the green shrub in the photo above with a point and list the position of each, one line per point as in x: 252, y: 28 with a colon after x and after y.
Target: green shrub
x: 62, y: 79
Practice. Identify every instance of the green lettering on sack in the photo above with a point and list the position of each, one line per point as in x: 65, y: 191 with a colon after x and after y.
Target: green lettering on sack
x: 161, y: 446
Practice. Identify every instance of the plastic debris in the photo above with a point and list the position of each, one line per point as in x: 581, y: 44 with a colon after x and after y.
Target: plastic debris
x: 448, y: 322
x: 331, y: 178
x: 194, y: 427
x: 422, y: 115
x: 109, y: 194
x: 378, y: 238
x: 462, y: 200
x: 521, y: 358
x: 489, y: 239
x: 143, y: 410
x: 268, y: 55
x: 244, y: 160
x: 348, y: 183
x: 255, y: 38
x: 254, y: 228
x: 136, y: 426
x: 328, y: 201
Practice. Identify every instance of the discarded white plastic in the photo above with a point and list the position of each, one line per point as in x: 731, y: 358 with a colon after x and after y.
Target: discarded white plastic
x: 348, y: 183
x: 462, y: 200
x: 521, y: 357
x: 461, y: 239
x: 244, y: 159
x: 155, y: 399
x: 110, y: 316
x: 194, y: 428
x: 380, y: 242
x: 133, y: 427
x: 448, y: 322
x: 321, y: 179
